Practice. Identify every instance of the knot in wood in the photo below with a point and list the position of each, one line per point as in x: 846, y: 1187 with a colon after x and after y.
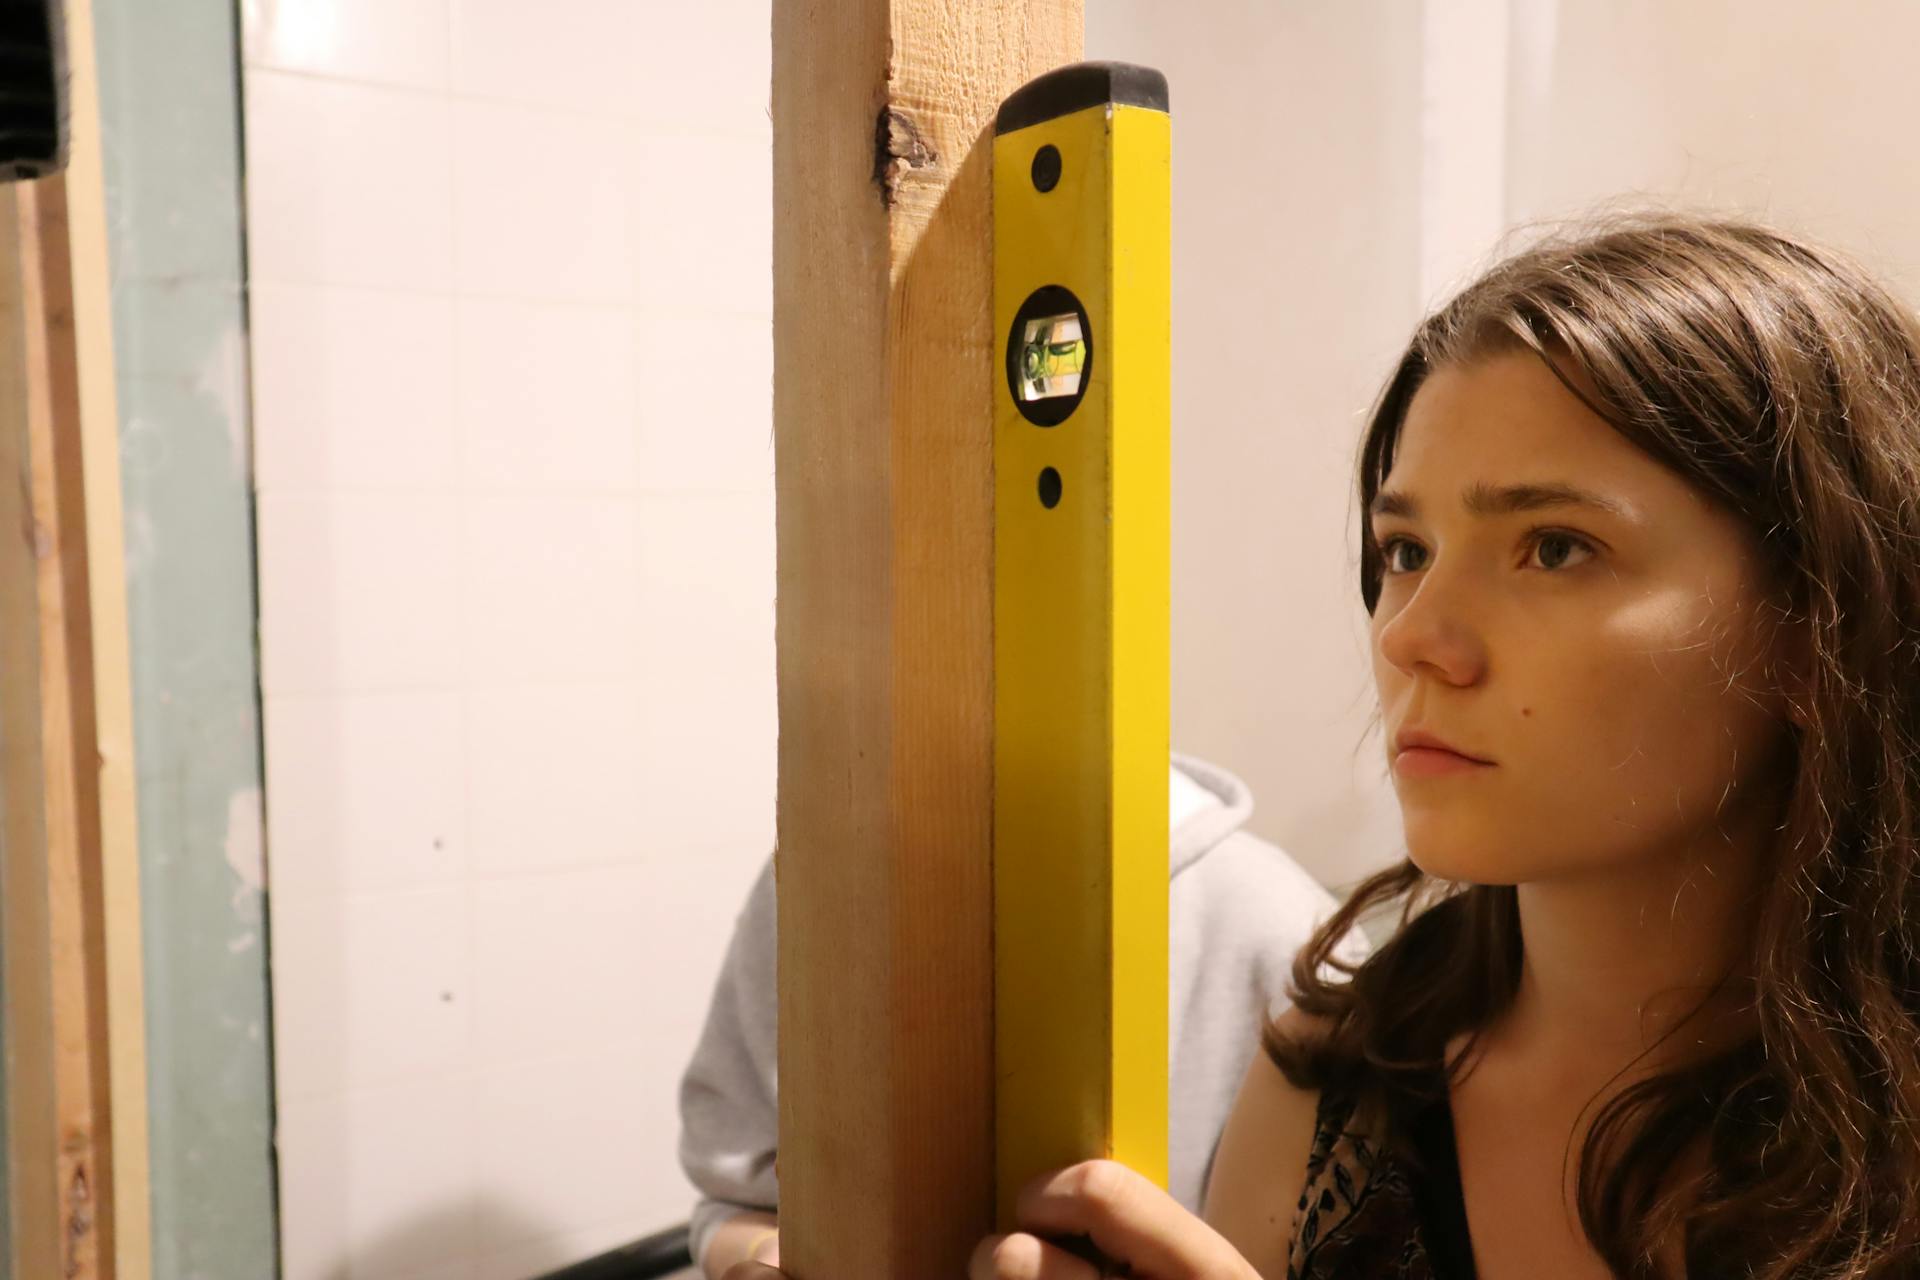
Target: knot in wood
x: 898, y: 148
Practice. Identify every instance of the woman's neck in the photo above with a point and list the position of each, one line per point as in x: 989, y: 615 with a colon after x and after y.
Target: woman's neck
x: 1643, y: 967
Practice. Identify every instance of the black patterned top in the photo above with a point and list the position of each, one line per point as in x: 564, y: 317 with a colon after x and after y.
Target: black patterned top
x: 1369, y: 1212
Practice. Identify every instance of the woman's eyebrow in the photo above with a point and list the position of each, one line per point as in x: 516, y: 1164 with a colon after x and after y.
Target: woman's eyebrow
x: 1483, y: 499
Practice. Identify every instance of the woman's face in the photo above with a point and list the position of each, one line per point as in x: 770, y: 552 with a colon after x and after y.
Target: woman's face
x: 1608, y: 660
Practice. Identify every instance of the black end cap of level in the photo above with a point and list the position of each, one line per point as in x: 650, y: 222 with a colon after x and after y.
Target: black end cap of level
x: 1067, y: 89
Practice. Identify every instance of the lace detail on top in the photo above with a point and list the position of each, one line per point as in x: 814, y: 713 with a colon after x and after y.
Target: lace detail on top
x: 1363, y: 1216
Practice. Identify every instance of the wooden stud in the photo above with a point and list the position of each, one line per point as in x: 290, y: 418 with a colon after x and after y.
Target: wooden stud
x: 33, y: 1246
x: 56, y: 749
x: 75, y: 1025
x: 116, y: 787
x: 883, y: 422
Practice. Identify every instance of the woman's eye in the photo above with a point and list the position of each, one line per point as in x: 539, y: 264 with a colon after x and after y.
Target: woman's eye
x: 1554, y: 538
x: 1389, y: 545
x: 1555, y: 543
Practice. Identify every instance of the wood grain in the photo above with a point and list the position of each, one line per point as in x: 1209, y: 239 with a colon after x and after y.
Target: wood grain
x: 114, y: 789
x: 883, y: 453
x: 69, y: 754
x: 27, y: 1034
x: 75, y: 1029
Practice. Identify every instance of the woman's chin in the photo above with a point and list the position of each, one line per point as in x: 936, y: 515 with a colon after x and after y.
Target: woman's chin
x: 1477, y: 862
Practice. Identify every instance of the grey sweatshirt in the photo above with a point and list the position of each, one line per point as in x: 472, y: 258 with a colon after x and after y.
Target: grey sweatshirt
x: 1238, y: 910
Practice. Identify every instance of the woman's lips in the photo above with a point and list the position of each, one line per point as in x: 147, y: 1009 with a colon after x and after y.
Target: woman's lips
x: 1420, y: 736
x: 1431, y: 762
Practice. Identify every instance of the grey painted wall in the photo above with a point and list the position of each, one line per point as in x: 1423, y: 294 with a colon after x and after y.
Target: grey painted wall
x: 171, y: 138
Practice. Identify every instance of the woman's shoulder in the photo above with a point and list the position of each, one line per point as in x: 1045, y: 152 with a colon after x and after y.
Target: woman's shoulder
x: 1260, y: 1167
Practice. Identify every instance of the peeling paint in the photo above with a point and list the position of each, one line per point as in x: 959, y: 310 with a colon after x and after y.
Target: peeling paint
x: 223, y: 380
x: 137, y: 530
x: 246, y: 845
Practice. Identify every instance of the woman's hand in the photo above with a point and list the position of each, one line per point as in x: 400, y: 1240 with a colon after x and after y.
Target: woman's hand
x: 749, y: 1236
x: 761, y: 1261
x: 1138, y: 1228
x: 1141, y: 1230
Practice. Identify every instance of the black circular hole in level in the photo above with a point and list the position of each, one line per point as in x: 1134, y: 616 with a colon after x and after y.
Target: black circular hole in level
x: 1049, y: 488
x: 1046, y: 167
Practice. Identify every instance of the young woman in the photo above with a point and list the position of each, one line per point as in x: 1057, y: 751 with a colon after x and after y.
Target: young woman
x: 1641, y: 547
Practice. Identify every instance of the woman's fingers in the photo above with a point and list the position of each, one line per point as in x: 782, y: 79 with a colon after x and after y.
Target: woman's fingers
x: 1145, y: 1231
x: 753, y: 1271
x: 1131, y: 1220
x: 1015, y: 1257
x: 1024, y: 1257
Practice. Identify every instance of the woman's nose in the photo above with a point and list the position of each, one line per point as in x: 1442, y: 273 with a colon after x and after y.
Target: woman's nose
x: 1435, y: 629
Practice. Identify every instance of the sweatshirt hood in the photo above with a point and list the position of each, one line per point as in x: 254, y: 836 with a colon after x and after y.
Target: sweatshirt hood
x: 1208, y: 804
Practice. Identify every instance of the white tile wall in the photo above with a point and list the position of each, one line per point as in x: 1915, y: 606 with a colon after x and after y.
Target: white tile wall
x: 684, y: 65
x: 358, y: 591
x: 511, y: 300
x: 521, y: 365
x: 351, y: 184
x: 359, y: 384
x: 586, y: 55
x: 589, y: 1154
x: 401, y: 42
x: 556, y: 777
x: 551, y: 587
x: 693, y: 367
x: 545, y: 204
x: 379, y: 1180
x: 381, y: 997
x: 368, y: 791
x: 697, y: 251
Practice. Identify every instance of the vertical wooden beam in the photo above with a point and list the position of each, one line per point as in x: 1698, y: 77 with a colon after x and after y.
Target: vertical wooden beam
x: 69, y: 870
x: 64, y: 750
x: 115, y: 789
x: 26, y: 1035
x: 883, y: 421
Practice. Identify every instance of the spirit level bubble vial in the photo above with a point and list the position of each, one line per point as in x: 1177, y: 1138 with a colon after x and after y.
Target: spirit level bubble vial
x: 1081, y: 622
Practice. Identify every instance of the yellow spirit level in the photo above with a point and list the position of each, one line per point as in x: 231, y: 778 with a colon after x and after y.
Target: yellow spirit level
x: 1081, y: 622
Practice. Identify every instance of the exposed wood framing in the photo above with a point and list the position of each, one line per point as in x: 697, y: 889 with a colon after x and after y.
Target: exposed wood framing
x: 883, y: 446
x: 69, y: 870
x: 109, y: 634
x: 27, y: 1036
x: 53, y: 754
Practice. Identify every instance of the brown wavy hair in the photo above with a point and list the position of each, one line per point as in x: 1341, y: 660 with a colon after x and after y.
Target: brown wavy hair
x: 1783, y: 382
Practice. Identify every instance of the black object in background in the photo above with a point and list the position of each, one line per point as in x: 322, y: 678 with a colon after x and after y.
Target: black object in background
x: 33, y: 89
x: 660, y: 1254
